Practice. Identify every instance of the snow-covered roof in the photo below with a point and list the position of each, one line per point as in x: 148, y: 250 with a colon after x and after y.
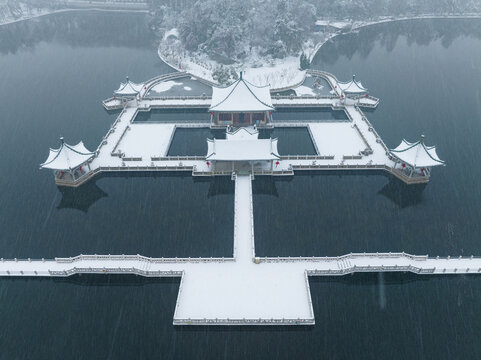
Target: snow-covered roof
x: 242, y: 144
x: 128, y: 88
x: 67, y: 157
x: 417, y: 154
x: 241, y: 96
x: 352, y: 87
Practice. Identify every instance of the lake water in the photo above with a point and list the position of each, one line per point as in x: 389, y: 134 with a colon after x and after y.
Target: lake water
x: 55, y: 71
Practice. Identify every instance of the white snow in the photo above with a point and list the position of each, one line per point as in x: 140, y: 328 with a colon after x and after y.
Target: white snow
x: 304, y: 90
x: 241, y: 96
x: 187, y: 88
x: 67, y: 157
x: 146, y: 140
x: 417, y: 154
x: 172, y: 32
x: 337, y: 138
x: 166, y: 86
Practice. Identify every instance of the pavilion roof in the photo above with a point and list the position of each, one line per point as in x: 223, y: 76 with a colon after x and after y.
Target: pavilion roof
x: 352, y: 87
x: 417, y: 154
x: 241, y: 96
x: 67, y: 157
x: 128, y: 88
x: 242, y: 144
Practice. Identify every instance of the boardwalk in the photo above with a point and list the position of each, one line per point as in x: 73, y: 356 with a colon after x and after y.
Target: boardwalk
x: 244, y: 289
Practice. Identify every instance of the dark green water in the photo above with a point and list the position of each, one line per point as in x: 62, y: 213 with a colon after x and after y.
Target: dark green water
x: 55, y: 71
x: 192, y: 141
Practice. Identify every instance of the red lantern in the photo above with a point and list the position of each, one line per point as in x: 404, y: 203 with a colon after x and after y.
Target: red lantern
x: 367, y: 95
x: 404, y: 165
x: 208, y: 163
x: 277, y: 163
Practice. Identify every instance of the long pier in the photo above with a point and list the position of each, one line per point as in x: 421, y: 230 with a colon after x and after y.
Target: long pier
x: 243, y: 289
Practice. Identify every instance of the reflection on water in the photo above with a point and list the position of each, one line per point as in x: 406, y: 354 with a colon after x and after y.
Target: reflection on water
x: 78, y: 29
x: 419, y: 32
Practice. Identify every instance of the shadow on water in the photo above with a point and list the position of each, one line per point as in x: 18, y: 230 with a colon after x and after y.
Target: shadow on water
x: 99, y: 280
x: 243, y: 328
x: 82, y: 197
x: 401, y: 194
x: 267, y: 185
x: 363, y: 279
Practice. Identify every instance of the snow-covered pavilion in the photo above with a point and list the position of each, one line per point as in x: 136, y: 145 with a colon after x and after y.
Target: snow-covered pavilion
x: 415, y: 159
x: 241, y: 104
x: 69, y: 162
x: 353, y: 87
x: 242, y: 149
x: 128, y: 89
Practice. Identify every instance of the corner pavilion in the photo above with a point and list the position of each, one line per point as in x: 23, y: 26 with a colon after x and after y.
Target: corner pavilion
x: 242, y: 150
x: 353, y: 88
x: 415, y: 159
x: 241, y: 104
x: 128, y: 90
x: 69, y: 162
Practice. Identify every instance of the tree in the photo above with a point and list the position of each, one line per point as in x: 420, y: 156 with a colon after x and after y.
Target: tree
x: 304, y: 62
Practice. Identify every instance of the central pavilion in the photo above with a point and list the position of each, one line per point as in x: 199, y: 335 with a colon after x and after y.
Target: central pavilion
x: 242, y: 150
x: 241, y: 104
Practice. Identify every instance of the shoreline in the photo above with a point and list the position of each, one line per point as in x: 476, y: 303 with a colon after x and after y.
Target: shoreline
x: 59, y: 11
x: 383, y: 21
x: 318, y: 46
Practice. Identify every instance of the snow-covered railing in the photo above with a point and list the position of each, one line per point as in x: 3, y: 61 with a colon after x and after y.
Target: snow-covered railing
x: 307, y: 157
x: 179, y: 97
x: 378, y: 255
x: 286, y: 88
x: 304, y: 97
x: 273, y: 172
x: 371, y: 128
x: 177, y: 157
x: 124, y: 258
x: 331, y: 79
x: 351, y: 157
x: 243, y: 321
x: 118, y: 270
x: 251, y: 215
x: 382, y: 268
x: 113, y: 152
x: 368, y: 149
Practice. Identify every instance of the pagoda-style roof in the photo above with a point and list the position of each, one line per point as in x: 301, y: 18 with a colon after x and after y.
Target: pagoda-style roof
x: 67, y: 157
x: 242, y: 144
x: 241, y: 96
x: 417, y: 154
x: 128, y: 88
x: 352, y: 87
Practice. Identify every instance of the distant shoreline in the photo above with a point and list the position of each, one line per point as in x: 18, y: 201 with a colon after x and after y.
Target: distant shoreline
x: 383, y: 21
x: 59, y: 11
